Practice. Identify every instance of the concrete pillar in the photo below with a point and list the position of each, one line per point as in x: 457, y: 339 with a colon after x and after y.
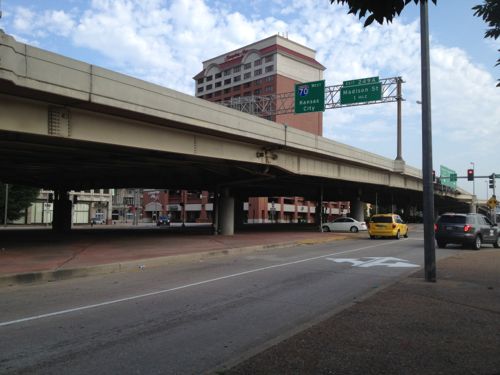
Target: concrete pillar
x: 473, y: 205
x: 226, y: 214
x: 239, y: 212
x: 357, y: 210
x: 62, y: 219
x: 319, y: 210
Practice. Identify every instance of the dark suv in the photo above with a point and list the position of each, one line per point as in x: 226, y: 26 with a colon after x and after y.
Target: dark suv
x: 466, y: 229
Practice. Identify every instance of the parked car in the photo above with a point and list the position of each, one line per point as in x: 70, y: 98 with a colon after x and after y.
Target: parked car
x: 163, y: 220
x: 387, y: 225
x: 98, y: 220
x: 344, y: 224
x: 466, y: 229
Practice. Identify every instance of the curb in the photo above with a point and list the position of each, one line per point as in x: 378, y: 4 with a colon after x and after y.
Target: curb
x: 140, y: 264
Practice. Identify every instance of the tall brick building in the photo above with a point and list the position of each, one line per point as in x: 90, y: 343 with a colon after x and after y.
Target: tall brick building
x: 270, y: 66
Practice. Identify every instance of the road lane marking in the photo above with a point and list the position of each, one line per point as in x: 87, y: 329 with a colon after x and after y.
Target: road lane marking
x: 163, y: 291
x: 376, y: 261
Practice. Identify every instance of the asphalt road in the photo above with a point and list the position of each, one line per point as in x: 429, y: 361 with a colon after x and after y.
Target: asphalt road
x: 192, y: 318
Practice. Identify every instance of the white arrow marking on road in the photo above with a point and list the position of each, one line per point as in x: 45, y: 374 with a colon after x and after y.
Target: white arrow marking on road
x: 376, y: 261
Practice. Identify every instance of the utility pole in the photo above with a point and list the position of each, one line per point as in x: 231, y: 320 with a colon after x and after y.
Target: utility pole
x: 428, y: 186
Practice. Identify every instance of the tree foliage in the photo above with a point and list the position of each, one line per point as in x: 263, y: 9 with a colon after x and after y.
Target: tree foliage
x: 379, y: 10
x: 20, y: 198
x: 490, y: 13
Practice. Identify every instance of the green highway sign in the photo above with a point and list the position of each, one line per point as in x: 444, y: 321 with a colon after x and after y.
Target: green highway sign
x: 448, y: 177
x: 310, y: 97
x: 361, y: 90
x: 362, y: 81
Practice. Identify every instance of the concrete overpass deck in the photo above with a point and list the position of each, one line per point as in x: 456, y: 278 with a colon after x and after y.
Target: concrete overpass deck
x: 66, y: 124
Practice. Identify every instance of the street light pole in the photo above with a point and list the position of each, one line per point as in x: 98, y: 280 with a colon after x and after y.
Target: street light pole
x: 428, y: 186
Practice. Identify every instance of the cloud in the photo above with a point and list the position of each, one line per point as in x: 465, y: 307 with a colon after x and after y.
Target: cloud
x: 27, y: 21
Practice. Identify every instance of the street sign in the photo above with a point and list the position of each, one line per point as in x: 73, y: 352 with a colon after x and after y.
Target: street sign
x: 361, y: 90
x: 448, y: 177
x: 310, y: 97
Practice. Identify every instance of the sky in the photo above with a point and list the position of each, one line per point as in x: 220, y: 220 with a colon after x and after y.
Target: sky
x: 166, y: 41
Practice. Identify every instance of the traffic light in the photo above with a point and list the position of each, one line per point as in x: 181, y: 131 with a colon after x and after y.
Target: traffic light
x: 470, y: 174
x: 433, y: 175
x: 492, y: 181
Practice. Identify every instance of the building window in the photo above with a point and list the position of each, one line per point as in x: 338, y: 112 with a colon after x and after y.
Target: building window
x: 209, y: 78
x: 237, y: 79
x: 257, y: 62
x: 218, y: 75
x: 209, y: 87
x: 236, y: 69
x: 227, y: 98
x: 208, y: 96
x: 247, y: 84
x: 257, y: 72
x: 257, y: 82
x: 236, y: 87
x: 269, y: 79
x: 227, y: 81
x: 269, y: 68
x: 200, y: 81
x: 247, y: 93
x: 105, y: 191
x: 268, y: 89
x: 227, y: 72
x: 227, y: 91
x: 217, y: 93
x: 247, y: 75
x: 268, y: 58
x: 200, y: 89
x: 257, y: 92
x: 236, y: 96
x: 218, y: 84
x: 247, y: 66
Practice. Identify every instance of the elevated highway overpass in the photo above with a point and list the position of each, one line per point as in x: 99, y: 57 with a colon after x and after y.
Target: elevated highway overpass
x: 67, y: 125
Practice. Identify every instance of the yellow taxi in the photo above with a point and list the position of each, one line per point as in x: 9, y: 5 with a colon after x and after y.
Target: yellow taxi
x: 387, y: 225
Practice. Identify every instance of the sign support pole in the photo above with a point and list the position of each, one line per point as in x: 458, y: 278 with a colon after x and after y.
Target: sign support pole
x: 399, y: 100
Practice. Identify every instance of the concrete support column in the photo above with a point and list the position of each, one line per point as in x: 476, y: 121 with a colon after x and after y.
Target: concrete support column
x: 319, y: 210
x: 473, y: 205
x: 109, y: 214
x: 226, y: 213
x: 239, y: 212
x: 357, y: 210
x: 61, y: 221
